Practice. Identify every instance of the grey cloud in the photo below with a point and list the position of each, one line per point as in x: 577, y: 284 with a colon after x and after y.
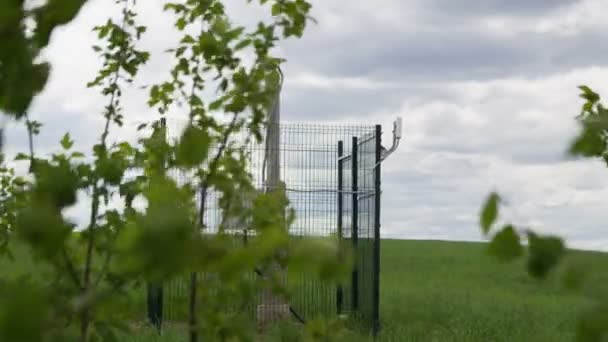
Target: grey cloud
x: 446, y: 41
x: 493, y: 7
x: 298, y: 104
x: 449, y: 54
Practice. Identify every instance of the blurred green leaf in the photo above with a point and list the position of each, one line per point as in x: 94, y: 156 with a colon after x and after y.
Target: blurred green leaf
x: 589, y: 95
x: 41, y: 226
x: 66, y: 142
x: 544, y: 254
x: 167, y: 226
x: 319, y: 257
x: 588, y: 144
x: 506, y: 244
x: 489, y: 212
x: 53, y: 14
x: 57, y: 183
x: 193, y: 147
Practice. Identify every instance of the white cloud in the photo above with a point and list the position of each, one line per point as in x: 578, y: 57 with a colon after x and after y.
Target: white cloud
x: 508, y: 135
x: 316, y: 81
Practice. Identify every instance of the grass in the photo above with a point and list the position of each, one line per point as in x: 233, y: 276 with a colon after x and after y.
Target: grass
x: 452, y: 291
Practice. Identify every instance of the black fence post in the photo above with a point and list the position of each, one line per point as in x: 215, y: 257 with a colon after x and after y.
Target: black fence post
x: 340, y: 290
x: 376, y: 270
x: 155, y: 305
x: 155, y: 290
x: 355, y: 221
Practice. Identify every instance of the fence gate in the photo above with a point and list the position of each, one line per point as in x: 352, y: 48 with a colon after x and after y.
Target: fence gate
x: 332, y: 180
x: 359, y: 225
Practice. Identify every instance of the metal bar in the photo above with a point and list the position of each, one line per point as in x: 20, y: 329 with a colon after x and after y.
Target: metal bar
x: 355, y: 222
x: 376, y: 271
x: 345, y: 157
x: 339, y: 291
x: 366, y: 139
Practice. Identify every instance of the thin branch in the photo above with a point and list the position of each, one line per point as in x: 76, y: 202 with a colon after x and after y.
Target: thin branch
x: 213, y: 165
x: 104, y: 268
x: 71, y: 269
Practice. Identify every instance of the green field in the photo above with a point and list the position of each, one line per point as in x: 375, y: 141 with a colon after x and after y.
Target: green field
x: 452, y: 291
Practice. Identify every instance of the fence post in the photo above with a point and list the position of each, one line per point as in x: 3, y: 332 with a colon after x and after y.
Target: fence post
x: 376, y: 270
x: 155, y: 305
x: 155, y: 291
x: 339, y: 290
x: 355, y: 221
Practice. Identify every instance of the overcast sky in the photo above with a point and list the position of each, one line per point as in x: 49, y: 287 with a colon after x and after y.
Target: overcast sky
x: 486, y: 89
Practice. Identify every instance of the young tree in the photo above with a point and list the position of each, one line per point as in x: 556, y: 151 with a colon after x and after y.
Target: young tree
x: 92, y: 269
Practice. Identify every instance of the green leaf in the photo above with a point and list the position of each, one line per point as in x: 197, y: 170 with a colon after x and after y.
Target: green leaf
x: 41, y: 226
x: 181, y: 24
x: 317, y: 257
x: 276, y: 9
x: 66, y: 142
x: 111, y: 169
x: 506, y: 244
x: 590, y: 143
x: 77, y: 155
x: 544, y: 254
x: 589, y: 95
x: 53, y: 14
x: 193, y: 147
x: 57, y: 183
x: 489, y: 212
x: 167, y: 225
x: 242, y: 44
x: 22, y: 156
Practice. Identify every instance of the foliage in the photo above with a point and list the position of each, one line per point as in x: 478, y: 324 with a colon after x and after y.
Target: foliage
x: 12, y: 189
x: 544, y: 253
x: 592, y: 141
x: 24, y: 33
x: 441, y: 291
x: 91, y: 268
x: 489, y: 212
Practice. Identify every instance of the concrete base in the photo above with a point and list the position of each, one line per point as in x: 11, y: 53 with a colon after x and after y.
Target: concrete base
x: 267, y: 314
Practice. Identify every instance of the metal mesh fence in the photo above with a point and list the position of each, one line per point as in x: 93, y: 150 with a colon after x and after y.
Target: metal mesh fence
x: 358, y: 206
x: 334, y: 190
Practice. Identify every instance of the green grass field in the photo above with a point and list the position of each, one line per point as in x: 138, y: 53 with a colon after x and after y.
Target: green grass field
x: 453, y: 291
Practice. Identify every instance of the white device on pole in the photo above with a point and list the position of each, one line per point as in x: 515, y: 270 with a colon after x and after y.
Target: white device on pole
x: 397, y: 133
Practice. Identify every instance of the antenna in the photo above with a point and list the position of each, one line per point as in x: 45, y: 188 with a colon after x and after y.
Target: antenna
x: 397, y: 126
x: 397, y: 133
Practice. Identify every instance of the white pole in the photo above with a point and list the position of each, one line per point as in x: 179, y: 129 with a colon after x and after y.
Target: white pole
x: 273, y: 307
x: 273, y: 143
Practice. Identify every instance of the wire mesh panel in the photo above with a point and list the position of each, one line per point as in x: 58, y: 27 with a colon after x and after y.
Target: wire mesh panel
x: 365, y: 203
x: 331, y: 195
